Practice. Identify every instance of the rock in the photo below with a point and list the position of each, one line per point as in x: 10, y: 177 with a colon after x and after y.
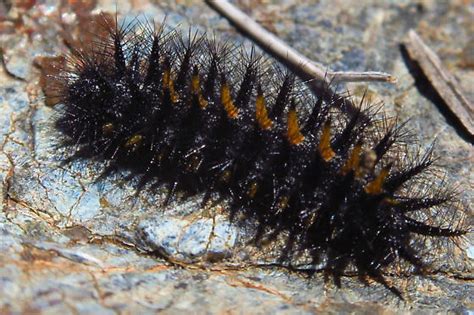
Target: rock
x: 69, y: 244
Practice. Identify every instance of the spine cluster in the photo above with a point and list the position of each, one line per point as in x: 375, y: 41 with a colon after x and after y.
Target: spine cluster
x: 201, y: 116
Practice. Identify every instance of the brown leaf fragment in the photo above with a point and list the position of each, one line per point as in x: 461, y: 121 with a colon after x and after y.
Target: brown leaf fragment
x: 50, y: 68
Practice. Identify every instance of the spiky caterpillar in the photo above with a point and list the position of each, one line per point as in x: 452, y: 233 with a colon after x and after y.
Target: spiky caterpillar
x: 204, y: 117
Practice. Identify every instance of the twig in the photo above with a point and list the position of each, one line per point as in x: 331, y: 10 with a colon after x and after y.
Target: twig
x: 290, y: 57
x: 442, y: 81
x: 354, y: 76
x: 316, y: 77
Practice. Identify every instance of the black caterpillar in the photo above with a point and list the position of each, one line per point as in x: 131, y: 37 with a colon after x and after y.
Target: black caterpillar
x: 205, y: 117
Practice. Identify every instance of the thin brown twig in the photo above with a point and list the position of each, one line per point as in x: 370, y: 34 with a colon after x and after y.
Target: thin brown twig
x: 287, y: 55
x: 317, y: 77
x: 442, y: 81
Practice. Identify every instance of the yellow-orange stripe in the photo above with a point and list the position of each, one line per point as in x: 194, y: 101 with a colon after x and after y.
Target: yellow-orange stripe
x: 325, y: 143
x: 261, y: 113
x: 226, y: 100
x: 293, y: 134
x: 375, y: 187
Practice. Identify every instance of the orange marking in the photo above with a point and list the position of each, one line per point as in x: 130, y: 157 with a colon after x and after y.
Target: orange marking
x: 108, y: 129
x: 352, y: 163
x: 168, y: 84
x: 391, y: 201
x: 325, y: 143
x: 226, y: 176
x: 134, y: 140
x: 264, y: 122
x: 226, y: 100
x: 196, y: 90
x: 293, y: 134
x: 283, y: 203
x: 375, y: 187
x: 253, y: 190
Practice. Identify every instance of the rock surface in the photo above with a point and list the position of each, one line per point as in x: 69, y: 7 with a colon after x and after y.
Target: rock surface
x: 71, y: 245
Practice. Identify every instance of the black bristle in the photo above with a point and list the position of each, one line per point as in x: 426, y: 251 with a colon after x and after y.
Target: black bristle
x: 183, y: 112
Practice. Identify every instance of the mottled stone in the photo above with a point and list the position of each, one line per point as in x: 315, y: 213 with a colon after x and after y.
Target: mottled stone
x: 69, y: 244
x: 188, y: 240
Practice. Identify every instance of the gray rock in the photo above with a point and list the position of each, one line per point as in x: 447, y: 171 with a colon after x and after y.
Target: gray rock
x: 183, y: 240
x: 69, y: 244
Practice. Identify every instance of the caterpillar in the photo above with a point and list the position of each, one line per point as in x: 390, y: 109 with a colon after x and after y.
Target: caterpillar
x: 205, y: 117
